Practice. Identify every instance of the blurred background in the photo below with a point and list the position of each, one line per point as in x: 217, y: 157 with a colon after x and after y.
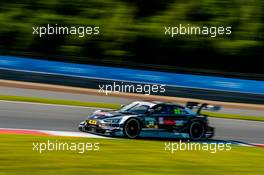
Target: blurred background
x: 132, y: 34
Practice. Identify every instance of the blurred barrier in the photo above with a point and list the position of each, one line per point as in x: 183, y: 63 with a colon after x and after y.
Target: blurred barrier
x: 182, y: 85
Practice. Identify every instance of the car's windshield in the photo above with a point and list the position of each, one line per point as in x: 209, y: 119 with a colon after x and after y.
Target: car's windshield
x: 135, y: 108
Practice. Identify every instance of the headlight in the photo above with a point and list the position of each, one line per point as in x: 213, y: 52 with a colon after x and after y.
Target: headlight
x: 112, y: 120
x: 83, y: 123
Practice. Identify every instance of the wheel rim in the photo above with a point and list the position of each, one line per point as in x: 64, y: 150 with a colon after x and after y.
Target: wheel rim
x: 132, y: 128
x: 196, y: 130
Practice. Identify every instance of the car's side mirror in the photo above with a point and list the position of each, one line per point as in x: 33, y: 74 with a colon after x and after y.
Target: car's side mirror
x: 122, y: 105
x: 150, y: 111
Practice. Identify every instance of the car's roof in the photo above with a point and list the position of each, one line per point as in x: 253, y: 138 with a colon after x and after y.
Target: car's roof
x: 153, y: 103
x: 147, y: 103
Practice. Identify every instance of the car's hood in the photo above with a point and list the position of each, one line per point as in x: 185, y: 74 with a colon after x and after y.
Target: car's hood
x: 106, y: 114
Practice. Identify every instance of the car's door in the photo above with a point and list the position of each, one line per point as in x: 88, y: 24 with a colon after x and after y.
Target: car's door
x: 167, y: 116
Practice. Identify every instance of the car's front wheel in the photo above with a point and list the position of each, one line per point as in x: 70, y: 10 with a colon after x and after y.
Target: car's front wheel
x: 132, y: 128
x: 196, y: 130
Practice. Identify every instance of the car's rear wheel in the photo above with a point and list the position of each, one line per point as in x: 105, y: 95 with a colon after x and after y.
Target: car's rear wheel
x: 132, y: 128
x: 196, y: 130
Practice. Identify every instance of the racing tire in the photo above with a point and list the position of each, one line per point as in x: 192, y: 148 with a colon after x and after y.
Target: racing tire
x: 196, y: 130
x: 132, y: 128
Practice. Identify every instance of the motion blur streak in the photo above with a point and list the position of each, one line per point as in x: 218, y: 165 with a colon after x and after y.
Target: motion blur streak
x: 133, y: 32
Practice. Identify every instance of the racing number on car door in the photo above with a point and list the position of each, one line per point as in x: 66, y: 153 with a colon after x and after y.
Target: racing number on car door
x: 151, y: 122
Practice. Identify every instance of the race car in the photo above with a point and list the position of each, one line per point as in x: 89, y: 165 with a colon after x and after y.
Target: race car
x: 140, y: 118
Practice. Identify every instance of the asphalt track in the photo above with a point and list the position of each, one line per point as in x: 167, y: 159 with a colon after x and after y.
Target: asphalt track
x: 66, y: 118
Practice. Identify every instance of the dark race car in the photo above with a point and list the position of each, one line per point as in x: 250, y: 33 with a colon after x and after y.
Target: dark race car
x: 145, y: 118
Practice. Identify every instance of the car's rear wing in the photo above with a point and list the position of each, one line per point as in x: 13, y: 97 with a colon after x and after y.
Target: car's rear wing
x: 202, y: 106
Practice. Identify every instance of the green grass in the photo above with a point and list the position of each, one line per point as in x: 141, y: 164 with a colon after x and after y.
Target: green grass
x: 59, y: 101
x: 113, y: 106
x: 123, y: 156
x: 234, y: 116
